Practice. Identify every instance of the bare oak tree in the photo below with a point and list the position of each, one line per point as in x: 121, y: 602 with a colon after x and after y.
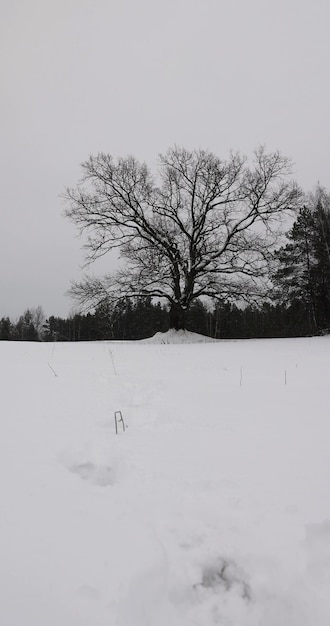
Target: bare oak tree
x: 202, y: 227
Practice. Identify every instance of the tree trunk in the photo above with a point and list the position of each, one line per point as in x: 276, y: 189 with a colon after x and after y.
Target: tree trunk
x: 177, y: 317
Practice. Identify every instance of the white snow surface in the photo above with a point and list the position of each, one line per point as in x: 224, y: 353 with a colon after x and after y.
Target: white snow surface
x: 211, y: 508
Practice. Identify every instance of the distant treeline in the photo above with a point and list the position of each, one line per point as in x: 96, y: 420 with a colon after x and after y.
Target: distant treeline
x: 140, y: 318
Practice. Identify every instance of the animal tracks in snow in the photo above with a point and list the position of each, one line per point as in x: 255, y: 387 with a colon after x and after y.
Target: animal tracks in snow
x: 94, y: 463
x: 224, y: 574
x: 97, y: 475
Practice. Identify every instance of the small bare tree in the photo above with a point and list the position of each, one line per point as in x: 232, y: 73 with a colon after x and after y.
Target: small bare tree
x: 38, y: 320
x: 203, y: 227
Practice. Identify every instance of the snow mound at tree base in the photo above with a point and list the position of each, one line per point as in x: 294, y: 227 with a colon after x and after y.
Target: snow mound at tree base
x: 178, y: 336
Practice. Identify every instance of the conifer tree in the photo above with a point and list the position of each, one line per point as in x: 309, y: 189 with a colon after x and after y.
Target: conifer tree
x: 303, y: 276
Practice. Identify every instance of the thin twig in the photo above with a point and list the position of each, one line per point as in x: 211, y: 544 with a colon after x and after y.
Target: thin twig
x: 113, y: 363
x: 49, y: 365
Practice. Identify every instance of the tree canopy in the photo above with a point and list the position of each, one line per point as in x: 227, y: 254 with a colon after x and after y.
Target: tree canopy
x: 201, y: 227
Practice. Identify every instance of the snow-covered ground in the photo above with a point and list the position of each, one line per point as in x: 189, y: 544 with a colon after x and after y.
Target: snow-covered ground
x: 213, y: 507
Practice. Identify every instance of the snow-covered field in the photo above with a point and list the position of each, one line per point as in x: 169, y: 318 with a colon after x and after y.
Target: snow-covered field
x: 213, y: 507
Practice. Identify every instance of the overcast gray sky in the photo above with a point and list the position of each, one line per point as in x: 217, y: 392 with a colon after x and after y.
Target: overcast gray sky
x: 135, y: 77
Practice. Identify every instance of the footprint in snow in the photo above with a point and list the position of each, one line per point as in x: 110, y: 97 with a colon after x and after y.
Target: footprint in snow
x: 101, y: 475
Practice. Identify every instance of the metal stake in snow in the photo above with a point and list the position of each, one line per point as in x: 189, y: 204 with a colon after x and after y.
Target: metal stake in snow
x: 118, y: 419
